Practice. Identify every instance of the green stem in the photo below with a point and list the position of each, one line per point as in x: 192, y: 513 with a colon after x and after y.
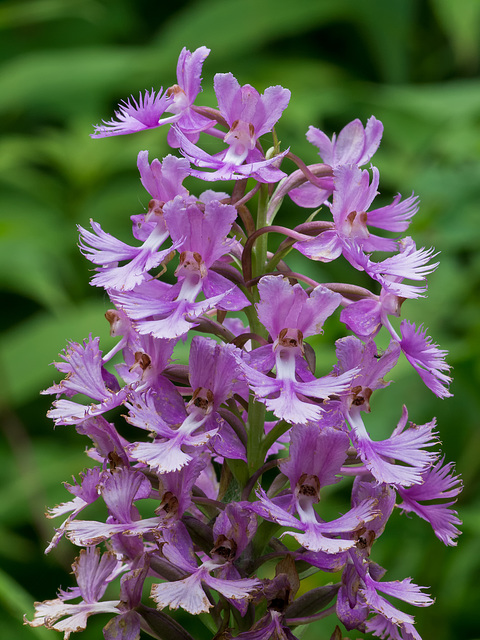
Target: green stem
x: 279, y: 255
x: 266, y: 530
x: 260, y: 251
x: 255, y: 430
x: 240, y: 471
x: 272, y: 436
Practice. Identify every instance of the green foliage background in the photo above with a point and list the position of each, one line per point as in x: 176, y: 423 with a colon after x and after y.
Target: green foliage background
x: 65, y: 64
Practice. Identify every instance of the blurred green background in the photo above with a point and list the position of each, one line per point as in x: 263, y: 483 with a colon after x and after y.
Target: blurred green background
x: 65, y: 64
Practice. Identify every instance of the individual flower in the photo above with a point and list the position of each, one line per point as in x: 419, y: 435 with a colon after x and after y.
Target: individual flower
x: 315, y: 460
x: 168, y: 311
x: 188, y: 593
x: 181, y: 430
x: 119, y: 488
x: 249, y: 115
x: 355, y: 145
x: 352, y: 197
x: 174, y: 442
x: 163, y: 181
x: 86, y: 375
x: 93, y: 572
x: 105, y: 250
x: 289, y: 315
x: 133, y: 115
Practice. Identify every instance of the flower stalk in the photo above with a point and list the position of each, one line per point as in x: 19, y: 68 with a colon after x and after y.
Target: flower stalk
x: 233, y: 449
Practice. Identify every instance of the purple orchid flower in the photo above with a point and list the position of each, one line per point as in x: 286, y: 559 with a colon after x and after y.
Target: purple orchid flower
x: 104, y: 249
x: 167, y: 451
x: 289, y: 315
x: 93, y: 573
x: 249, y: 116
x: 315, y: 460
x: 146, y: 113
x: 163, y: 181
x: 201, y: 239
x: 189, y: 593
x: 355, y: 145
x: 196, y: 424
x: 119, y: 489
x: 85, y: 375
x: 352, y: 196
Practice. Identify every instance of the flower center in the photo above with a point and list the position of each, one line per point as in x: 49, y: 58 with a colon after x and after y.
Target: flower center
x: 191, y: 264
x: 168, y: 505
x: 201, y: 402
x: 289, y: 338
x: 355, y: 225
x: 240, y: 139
x: 180, y: 100
x: 224, y: 549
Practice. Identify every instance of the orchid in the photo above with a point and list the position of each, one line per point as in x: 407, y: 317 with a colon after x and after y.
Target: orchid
x: 232, y: 452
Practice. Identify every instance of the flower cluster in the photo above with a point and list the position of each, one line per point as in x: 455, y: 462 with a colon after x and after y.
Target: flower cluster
x: 190, y: 509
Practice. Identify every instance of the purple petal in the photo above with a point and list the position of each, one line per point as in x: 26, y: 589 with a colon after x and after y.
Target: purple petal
x: 285, y: 306
x: 187, y: 594
x: 439, y: 483
x: 315, y: 452
x: 163, y: 180
x: 133, y: 116
x: 326, y: 247
x: 426, y: 358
